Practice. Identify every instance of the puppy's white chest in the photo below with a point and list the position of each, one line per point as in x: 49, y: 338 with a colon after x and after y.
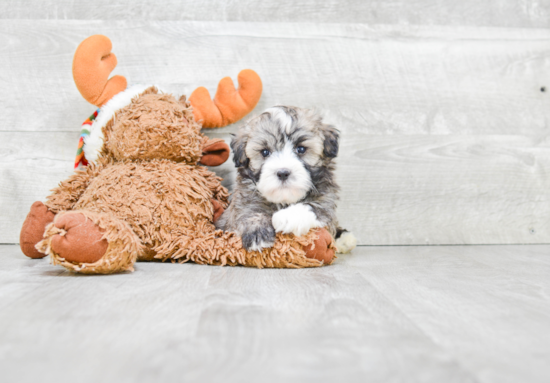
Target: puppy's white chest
x: 297, y: 219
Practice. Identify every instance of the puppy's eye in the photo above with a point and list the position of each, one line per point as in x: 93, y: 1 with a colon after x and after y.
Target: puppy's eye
x: 300, y: 150
x: 265, y: 152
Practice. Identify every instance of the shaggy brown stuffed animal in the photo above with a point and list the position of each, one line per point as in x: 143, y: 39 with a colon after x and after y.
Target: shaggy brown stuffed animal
x: 144, y: 194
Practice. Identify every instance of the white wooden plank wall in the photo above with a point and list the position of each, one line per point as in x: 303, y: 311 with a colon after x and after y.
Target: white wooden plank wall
x: 499, y: 13
x: 444, y: 124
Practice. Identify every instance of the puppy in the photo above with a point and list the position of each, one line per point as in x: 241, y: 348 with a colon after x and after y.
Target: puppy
x: 285, y: 181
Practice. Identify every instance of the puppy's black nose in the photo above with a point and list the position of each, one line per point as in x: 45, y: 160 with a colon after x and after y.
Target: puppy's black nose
x: 283, y: 174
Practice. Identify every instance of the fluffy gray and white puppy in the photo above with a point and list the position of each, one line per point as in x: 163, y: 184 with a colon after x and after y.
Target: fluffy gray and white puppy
x: 285, y: 181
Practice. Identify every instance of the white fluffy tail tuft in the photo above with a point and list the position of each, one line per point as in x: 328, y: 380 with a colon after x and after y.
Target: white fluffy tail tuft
x: 346, y: 243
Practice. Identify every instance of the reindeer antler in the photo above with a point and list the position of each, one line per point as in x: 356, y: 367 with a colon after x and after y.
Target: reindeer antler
x: 92, y: 64
x: 230, y: 104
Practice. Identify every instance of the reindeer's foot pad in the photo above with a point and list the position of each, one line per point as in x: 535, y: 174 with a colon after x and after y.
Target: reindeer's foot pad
x: 79, y: 240
x: 322, y: 248
x: 33, y: 229
x: 91, y: 243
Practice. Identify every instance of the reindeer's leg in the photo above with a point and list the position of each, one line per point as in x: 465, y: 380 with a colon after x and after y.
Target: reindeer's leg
x: 91, y: 243
x: 220, y: 195
x: 63, y: 198
x: 215, y: 247
x: 33, y: 228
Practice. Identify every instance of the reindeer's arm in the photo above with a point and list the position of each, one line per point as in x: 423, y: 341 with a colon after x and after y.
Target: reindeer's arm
x: 213, y: 183
x: 67, y: 194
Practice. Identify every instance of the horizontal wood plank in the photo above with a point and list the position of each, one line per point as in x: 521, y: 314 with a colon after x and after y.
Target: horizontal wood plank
x: 455, y: 189
x: 406, y: 190
x: 509, y: 13
x: 378, y: 79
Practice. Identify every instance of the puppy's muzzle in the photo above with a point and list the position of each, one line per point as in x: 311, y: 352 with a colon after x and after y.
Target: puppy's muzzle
x: 283, y: 174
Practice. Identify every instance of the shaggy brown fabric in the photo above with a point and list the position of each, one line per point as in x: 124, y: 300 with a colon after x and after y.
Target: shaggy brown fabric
x: 154, y: 125
x: 67, y: 194
x: 150, y: 199
x: 33, y: 229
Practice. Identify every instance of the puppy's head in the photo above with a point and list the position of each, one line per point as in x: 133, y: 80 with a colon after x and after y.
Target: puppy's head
x: 285, y: 151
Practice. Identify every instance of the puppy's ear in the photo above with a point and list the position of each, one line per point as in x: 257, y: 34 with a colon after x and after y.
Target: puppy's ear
x: 238, y: 144
x: 330, y: 144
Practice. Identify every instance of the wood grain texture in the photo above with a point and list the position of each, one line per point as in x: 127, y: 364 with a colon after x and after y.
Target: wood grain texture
x: 381, y: 80
x: 500, y: 13
x: 407, y: 190
x: 31, y: 163
x: 384, y: 314
x: 465, y: 297
x: 446, y: 189
x: 441, y: 189
x: 444, y: 129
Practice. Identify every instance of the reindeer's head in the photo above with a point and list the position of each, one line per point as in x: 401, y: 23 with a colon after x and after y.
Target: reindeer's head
x: 141, y: 123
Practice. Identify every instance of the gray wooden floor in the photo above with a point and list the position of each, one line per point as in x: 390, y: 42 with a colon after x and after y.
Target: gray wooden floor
x: 383, y: 314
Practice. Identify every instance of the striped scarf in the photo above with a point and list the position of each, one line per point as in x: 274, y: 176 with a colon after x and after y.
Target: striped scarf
x: 80, y: 157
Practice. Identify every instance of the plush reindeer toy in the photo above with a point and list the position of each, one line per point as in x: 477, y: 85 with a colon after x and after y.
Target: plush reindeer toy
x: 144, y: 194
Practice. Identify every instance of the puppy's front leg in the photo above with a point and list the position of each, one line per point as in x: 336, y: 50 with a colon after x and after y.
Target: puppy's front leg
x: 297, y: 219
x: 257, y: 233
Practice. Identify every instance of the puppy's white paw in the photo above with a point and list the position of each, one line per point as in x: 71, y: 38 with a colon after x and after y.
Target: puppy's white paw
x: 297, y: 219
x: 346, y: 243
